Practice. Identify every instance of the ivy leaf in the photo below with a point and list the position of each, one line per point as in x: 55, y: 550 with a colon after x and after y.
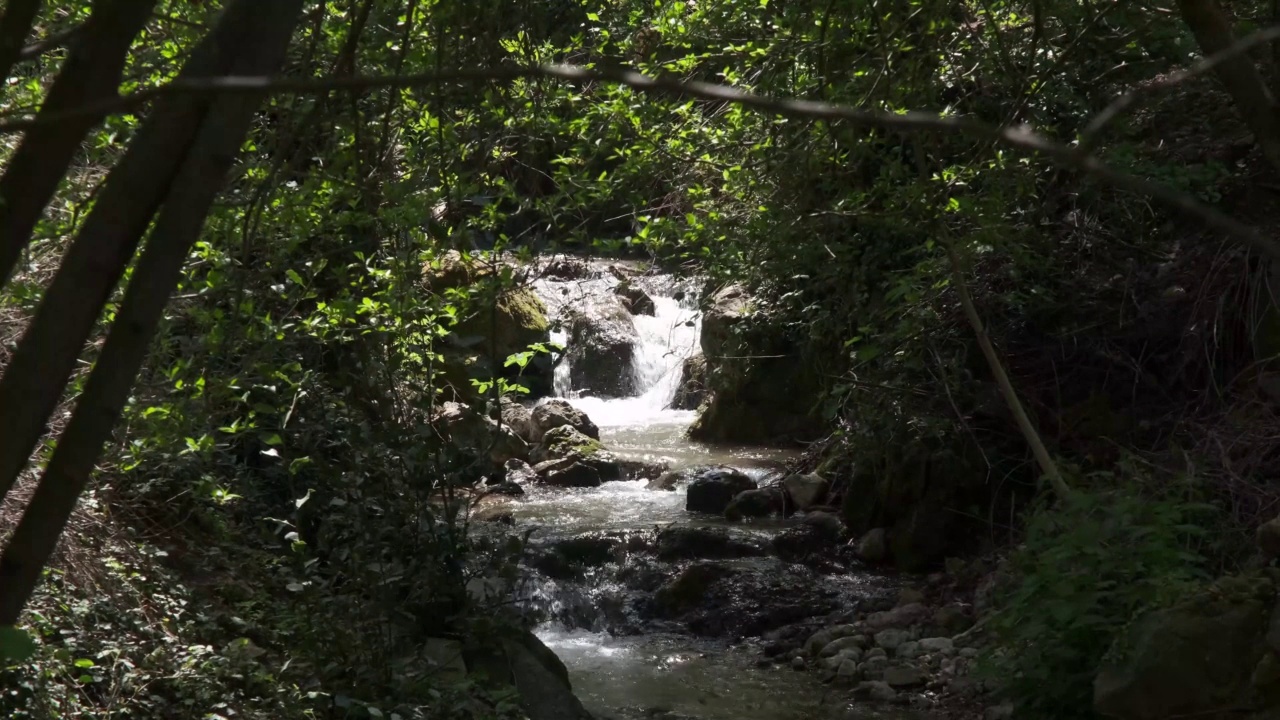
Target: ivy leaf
x: 15, y: 644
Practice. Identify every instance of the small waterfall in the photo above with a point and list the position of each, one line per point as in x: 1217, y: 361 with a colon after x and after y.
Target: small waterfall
x: 665, y: 340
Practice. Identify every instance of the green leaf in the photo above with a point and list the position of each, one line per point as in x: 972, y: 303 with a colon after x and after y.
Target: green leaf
x: 15, y: 644
x: 84, y: 663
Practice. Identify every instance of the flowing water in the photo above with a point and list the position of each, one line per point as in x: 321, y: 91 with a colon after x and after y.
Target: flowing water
x: 657, y: 673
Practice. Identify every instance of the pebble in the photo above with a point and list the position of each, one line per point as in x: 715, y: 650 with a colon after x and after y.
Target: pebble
x: 835, y: 647
x: 877, y: 652
x: 909, y: 650
x: 797, y: 663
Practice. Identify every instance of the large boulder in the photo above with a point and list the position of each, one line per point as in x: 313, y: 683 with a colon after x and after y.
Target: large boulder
x: 805, y: 490
x: 688, y: 543
x: 554, y: 413
x: 602, y: 343
x: 712, y: 490
x: 565, y: 455
x: 477, y: 435
x: 762, y: 391
x: 501, y: 319
x: 539, y: 677
x: 1199, y: 658
x: 692, y: 390
x: 519, y: 419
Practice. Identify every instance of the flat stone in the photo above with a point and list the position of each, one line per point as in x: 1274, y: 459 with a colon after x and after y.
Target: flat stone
x: 823, y: 637
x: 848, y: 672
x: 909, y: 650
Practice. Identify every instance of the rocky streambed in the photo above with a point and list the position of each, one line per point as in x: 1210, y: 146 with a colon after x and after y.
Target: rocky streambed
x: 680, y: 580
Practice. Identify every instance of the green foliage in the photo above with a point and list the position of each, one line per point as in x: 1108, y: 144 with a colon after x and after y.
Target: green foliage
x: 1087, y: 567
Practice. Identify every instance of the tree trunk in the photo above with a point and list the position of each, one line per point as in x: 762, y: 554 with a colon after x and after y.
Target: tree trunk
x: 264, y: 28
x: 46, y: 355
x: 91, y: 73
x: 15, y: 25
x: 1238, y: 73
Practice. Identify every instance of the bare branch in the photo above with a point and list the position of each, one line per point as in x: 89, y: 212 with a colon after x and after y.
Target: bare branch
x: 56, y: 40
x: 1126, y: 102
x: 1018, y: 137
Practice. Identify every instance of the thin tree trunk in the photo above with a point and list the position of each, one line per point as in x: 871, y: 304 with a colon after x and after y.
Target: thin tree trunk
x: 1239, y: 74
x: 46, y: 355
x: 15, y: 25
x: 265, y: 27
x: 1025, y: 426
x: 91, y: 73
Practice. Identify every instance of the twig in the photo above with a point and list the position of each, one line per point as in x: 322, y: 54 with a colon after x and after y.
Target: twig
x: 1127, y: 101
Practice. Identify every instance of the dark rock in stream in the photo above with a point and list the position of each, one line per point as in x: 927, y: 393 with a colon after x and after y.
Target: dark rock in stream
x: 732, y: 599
x: 712, y: 490
x: 817, y: 534
x: 757, y: 503
x: 557, y: 412
x: 689, y: 543
x: 635, y: 299
x: 602, y: 344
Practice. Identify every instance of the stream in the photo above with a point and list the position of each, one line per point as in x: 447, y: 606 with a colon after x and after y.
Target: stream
x: 623, y: 663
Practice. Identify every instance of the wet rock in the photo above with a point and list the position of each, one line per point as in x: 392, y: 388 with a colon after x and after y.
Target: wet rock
x: 519, y: 418
x: 444, y: 657
x: 838, y: 647
x: 505, y: 487
x: 567, y: 473
x: 565, y: 268
x: 805, y: 490
x: 634, y: 299
x: 602, y: 343
x: 891, y: 639
x: 688, y: 543
x: 899, y: 677
x: 816, y: 535
x: 692, y: 390
x: 476, y: 434
x: 564, y: 443
x: 876, y: 690
x: 797, y: 663
x: 565, y: 558
x: 666, y: 481
x: 739, y: 599
x: 500, y: 515
x: 910, y: 596
x: 642, y: 469
x: 873, y: 547
x: 909, y: 650
x: 712, y: 490
x: 1003, y: 711
x: 1195, y: 659
x: 822, y: 638
x: 539, y: 677
x: 761, y: 502
x: 518, y: 471
x: 874, y: 666
x: 555, y: 413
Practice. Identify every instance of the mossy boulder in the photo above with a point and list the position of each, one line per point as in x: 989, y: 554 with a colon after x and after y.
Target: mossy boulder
x: 499, y: 318
x: 1206, y: 657
x: 761, y: 390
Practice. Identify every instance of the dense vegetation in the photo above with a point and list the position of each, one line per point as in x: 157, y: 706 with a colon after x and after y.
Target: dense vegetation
x: 275, y: 479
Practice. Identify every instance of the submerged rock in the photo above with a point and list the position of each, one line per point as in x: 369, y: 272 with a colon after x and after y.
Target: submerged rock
x: 666, y: 481
x: 555, y: 413
x: 712, y: 490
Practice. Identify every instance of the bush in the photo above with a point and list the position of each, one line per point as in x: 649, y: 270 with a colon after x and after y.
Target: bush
x: 1087, y: 567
